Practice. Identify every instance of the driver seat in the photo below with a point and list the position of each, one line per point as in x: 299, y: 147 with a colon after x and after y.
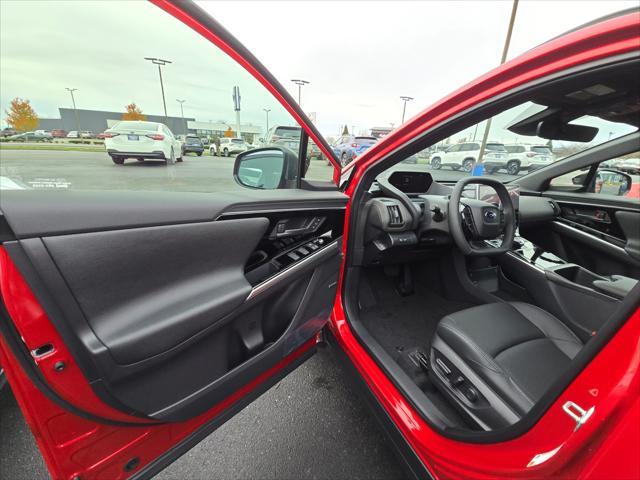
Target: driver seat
x: 495, y: 361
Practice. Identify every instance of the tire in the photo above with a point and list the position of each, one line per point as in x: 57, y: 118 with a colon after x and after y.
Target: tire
x: 513, y: 167
x: 436, y: 163
x: 199, y: 154
x: 467, y: 164
x: 117, y: 160
x: 225, y: 152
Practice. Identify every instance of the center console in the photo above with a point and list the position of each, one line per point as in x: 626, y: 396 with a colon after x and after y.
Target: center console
x: 582, y: 299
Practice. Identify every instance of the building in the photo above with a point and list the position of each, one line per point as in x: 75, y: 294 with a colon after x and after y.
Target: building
x: 97, y: 121
x: 217, y: 129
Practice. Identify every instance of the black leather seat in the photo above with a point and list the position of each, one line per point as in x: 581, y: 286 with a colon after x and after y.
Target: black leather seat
x: 495, y: 361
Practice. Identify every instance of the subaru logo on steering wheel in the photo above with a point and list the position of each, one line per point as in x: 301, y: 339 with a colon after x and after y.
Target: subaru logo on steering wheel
x: 490, y: 215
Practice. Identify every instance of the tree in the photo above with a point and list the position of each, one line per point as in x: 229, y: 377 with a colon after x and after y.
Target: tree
x: 133, y: 113
x: 345, y: 130
x: 21, y: 115
x: 228, y: 133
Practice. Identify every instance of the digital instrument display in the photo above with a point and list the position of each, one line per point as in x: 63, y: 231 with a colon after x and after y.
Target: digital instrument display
x: 411, y: 182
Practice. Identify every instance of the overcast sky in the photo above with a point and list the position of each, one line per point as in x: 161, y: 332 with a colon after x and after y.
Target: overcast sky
x: 359, y: 56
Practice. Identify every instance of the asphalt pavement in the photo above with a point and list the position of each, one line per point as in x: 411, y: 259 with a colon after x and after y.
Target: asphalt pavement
x: 311, y: 425
x: 95, y: 171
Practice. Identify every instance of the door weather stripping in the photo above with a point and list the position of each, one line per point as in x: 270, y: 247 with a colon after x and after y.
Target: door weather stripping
x: 579, y: 414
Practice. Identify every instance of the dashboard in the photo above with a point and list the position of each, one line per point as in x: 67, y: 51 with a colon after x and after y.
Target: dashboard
x: 408, y: 210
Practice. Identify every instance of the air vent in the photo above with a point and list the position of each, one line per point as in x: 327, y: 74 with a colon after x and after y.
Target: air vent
x: 395, y: 217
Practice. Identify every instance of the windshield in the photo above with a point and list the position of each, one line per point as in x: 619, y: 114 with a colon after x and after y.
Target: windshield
x: 237, y: 140
x: 288, y: 132
x: 542, y: 150
x: 459, y: 154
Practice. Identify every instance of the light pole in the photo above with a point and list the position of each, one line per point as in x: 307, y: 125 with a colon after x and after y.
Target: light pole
x: 184, y: 125
x: 505, y: 50
x: 300, y: 84
x: 267, y: 110
x: 75, y: 110
x: 405, y: 99
x: 160, y: 63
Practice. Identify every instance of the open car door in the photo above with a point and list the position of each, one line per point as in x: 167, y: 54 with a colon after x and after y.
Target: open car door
x: 143, y: 307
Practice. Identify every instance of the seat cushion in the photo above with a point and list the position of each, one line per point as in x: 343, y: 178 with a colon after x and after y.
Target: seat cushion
x: 516, y: 349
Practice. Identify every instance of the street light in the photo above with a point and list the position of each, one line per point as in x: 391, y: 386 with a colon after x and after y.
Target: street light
x: 184, y: 125
x: 300, y: 84
x: 161, y: 63
x: 405, y: 99
x: 267, y: 110
x: 75, y: 111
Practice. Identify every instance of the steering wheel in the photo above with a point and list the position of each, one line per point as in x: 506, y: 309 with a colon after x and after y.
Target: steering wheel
x: 481, y: 220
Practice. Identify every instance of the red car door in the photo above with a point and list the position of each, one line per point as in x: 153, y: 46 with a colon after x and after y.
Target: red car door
x: 134, y: 323
x: 601, y: 438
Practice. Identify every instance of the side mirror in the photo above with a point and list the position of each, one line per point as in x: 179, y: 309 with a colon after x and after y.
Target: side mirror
x: 580, y: 179
x: 613, y: 182
x: 266, y: 168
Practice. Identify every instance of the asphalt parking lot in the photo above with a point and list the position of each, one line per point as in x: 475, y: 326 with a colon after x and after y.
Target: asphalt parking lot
x: 311, y: 425
x: 95, y: 170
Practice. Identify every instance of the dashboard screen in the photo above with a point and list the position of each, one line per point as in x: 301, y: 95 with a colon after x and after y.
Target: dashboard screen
x: 411, y: 182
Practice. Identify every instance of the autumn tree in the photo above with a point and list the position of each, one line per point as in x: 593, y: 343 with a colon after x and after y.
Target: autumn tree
x: 228, y: 133
x: 21, y: 115
x: 133, y: 113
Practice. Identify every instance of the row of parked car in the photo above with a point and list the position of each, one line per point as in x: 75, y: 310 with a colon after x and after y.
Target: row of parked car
x: 11, y: 134
x: 497, y: 156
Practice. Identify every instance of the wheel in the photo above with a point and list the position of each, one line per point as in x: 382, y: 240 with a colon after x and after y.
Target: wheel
x: 199, y: 154
x: 225, y: 152
x: 467, y: 164
x: 436, y: 163
x: 117, y: 160
x: 343, y: 159
x: 513, y: 167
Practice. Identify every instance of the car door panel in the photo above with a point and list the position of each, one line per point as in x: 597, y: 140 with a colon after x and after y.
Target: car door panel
x: 202, y: 306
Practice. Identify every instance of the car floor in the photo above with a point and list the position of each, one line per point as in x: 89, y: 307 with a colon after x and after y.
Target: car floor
x: 404, y: 324
x: 401, y: 322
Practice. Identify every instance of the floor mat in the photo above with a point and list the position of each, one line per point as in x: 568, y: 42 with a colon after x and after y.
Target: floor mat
x: 398, y: 322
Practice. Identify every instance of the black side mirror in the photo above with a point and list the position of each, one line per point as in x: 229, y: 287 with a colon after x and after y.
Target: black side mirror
x: 613, y: 182
x: 267, y: 168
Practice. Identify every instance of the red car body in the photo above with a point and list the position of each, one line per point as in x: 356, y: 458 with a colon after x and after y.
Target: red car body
x: 605, y: 446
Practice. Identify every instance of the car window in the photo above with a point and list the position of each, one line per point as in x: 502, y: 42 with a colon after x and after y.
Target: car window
x: 516, y: 125
x: 118, y: 87
x: 617, y: 177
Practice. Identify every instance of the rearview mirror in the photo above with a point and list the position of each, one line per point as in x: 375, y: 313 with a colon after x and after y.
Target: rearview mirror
x: 267, y: 168
x: 553, y: 129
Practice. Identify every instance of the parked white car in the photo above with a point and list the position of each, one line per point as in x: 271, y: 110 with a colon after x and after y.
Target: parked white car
x: 463, y: 156
x: 142, y: 141
x: 73, y: 134
x: 527, y: 157
x: 229, y: 146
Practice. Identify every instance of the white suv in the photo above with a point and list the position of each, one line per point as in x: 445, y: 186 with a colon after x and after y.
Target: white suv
x: 528, y: 157
x: 229, y: 146
x: 464, y: 156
